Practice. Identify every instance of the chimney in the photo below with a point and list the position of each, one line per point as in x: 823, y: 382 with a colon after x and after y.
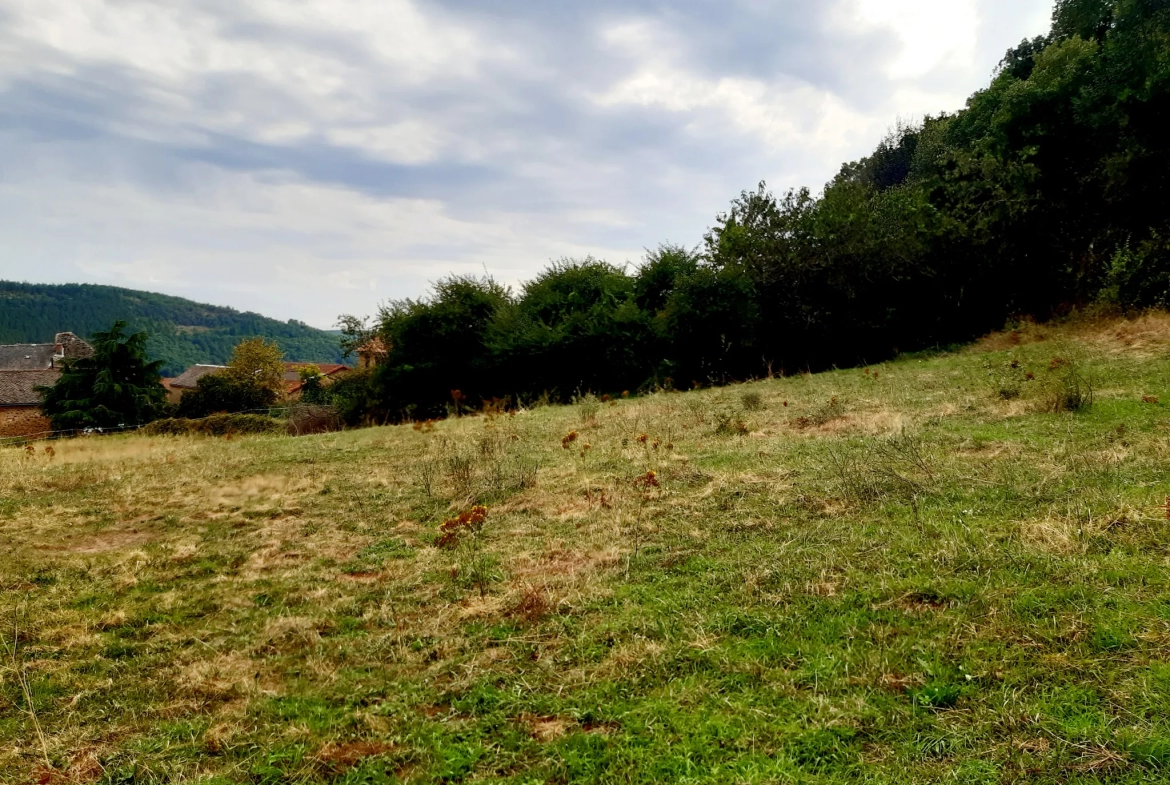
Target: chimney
x: 72, y: 347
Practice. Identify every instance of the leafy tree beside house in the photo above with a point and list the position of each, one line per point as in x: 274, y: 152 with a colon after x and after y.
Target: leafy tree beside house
x: 117, y: 386
x: 259, y: 363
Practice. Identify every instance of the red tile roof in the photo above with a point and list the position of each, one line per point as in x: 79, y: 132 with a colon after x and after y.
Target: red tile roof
x: 292, y: 373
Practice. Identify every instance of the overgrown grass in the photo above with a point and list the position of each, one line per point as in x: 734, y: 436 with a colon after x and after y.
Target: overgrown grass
x: 896, y: 574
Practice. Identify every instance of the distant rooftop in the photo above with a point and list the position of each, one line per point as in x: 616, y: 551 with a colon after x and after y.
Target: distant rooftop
x: 190, y: 377
x: 27, y: 356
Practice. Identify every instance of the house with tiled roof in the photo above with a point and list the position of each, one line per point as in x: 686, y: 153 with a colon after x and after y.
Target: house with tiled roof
x: 25, y: 367
x: 372, y: 353
x: 330, y: 373
x: 189, y: 379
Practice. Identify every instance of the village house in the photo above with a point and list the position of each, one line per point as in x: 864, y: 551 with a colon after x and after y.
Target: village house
x: 188, y: 379
x: 24, y: 368
x: 372, y: 353
x: 293, y: 385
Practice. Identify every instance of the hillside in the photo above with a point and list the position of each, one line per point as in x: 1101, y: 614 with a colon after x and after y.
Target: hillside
x: 913, y: 572
x: 182, y: 332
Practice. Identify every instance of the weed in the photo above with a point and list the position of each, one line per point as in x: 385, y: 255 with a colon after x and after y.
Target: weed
x: 1008, y: 379
x: 460, y: 470
x: 937, y: 695
x: 752, y: 400
x: 464, y: 533
x: 697, y: 408
x: 833, y: 409
x: 427, y: 472
x: 588, y: 407
x: 730, y: 421
x: 1066, y: 388
x: 877, y: 468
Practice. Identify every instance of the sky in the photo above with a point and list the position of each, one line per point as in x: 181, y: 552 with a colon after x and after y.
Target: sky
x: 308, y: 158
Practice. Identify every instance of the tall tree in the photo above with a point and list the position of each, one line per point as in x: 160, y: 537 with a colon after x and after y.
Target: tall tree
x: 117, y: 386
x: 258, y: 363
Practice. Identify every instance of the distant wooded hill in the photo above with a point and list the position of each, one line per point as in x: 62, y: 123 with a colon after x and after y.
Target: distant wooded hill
x: 182, y: 332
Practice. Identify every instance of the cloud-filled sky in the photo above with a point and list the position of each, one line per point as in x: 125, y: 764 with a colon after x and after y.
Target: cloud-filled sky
x: 305, y: 158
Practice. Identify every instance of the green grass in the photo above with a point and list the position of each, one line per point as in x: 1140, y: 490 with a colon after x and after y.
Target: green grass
x: 923, y: 582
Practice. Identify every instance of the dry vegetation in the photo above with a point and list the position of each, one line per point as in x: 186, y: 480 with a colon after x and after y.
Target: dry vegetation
x: 946, y: 568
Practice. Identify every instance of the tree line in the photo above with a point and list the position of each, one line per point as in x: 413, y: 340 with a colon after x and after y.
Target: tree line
x: 1049, y: 191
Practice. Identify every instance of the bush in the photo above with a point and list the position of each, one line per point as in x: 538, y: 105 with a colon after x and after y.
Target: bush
x: 219, y: 392
x: 306, y: 418
x: 1008, y: 379
x: 356, y: 399
x: 217, y: 425
x: 172, y: 426
x: 729, y: 421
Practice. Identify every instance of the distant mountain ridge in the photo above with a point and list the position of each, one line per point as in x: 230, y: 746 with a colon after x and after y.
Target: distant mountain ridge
x: 182, y: 332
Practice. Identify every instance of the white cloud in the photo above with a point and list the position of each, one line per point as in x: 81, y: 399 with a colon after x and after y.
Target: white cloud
x: 304, y: 158
x: 931, y: 34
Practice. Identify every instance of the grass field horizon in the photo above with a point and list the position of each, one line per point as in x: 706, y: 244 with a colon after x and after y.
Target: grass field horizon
x: 950, y: 567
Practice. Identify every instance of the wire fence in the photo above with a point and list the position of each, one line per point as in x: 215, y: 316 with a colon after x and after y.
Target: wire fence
x: 275, y: 412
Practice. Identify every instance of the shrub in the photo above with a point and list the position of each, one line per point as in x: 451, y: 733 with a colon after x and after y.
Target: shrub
x: 1008, y: 379
x: 169, y: 427
x: 589, y: 406
x: 305, y: 419
x: 827, y: 413
x: 217, y: 425
x: 752, y: 401
x: 219, y: 392
x: 730, y: 422
x: 356, y: 399
x: 1066, y: 389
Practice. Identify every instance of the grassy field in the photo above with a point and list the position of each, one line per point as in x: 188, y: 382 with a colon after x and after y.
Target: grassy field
x: 915, y: 572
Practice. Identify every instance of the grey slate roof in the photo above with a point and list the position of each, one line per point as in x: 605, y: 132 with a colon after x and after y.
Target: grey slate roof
x: 27, y: 357
x: 188, y: 378
x: 18, y: 388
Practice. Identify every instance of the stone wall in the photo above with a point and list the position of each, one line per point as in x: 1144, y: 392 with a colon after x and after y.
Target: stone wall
x: 22, y: 421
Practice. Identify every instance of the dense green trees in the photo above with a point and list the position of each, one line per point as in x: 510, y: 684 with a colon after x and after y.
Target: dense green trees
x: 117, y: 386
x: 1049, y: 190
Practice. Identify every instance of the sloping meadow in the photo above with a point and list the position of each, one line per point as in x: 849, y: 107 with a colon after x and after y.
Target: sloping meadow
x: 946, y: 568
